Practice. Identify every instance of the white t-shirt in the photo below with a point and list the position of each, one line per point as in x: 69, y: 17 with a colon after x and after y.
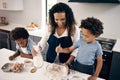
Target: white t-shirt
x: 24, y: 50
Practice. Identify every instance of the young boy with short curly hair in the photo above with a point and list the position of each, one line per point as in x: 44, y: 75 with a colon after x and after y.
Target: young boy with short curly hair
x: 23, y: 42
x: 88, y: 48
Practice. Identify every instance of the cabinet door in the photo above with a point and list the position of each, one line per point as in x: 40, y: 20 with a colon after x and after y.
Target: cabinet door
x: 115, y: 67
x: 13, y: 45
x: 4, y: 40
x: 11, y: 5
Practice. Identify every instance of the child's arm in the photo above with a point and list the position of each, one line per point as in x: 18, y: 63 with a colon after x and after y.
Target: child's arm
x: 43, y: 42
x: 26, y: 55
x: 64, y: 50
x: 98, y: 68
x: 17, y: 53
x: 99, y: 65
x: 71, y: 58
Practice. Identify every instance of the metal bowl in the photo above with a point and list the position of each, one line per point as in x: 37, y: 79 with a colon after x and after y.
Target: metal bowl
x: 7, y: 67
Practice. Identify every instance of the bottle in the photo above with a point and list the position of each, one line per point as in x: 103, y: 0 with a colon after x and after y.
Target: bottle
x: 38, y: 60
x: 3, y: 20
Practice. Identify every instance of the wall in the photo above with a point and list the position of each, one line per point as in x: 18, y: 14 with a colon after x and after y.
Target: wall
x: 31, y: 13
x: 108, y: 13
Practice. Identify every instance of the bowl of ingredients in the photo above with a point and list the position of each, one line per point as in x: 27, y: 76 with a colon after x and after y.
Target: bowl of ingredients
x: 57, y: 72
x: 17, y: 67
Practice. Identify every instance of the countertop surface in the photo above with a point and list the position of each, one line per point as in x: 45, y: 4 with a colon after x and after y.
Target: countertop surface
x: 34, y: 32
x: 40, y: 74
x: 117, y: 46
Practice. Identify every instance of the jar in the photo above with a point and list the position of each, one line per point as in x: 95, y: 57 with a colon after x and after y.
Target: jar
x: 38, y: 60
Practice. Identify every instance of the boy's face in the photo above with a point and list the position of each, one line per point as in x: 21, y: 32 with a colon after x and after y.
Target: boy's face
x: 21, y: 42
x: 87, y: 36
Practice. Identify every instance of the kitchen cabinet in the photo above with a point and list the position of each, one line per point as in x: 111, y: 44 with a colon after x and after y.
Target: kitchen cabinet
x: 107, y: 47
x: 115, y: 67
x: 11, y: 4
x: 4, y: 39
x: 12, y: 45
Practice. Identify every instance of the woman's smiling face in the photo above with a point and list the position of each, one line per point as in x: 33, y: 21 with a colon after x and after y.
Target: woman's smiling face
x: 60, y: 19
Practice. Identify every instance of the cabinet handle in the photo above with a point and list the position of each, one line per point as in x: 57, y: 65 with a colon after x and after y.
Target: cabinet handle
x: 105, y: 55
x: 104, y: 60
x: 4, y: 5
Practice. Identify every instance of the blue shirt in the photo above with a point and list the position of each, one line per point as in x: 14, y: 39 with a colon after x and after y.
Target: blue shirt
x: 87, y: 52
x: 29, y: 47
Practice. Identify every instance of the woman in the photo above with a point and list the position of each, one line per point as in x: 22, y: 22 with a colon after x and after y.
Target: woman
x: 62, y: 32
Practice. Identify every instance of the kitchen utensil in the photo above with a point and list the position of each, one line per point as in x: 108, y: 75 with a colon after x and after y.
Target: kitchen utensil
x: 12, y: 67
x: 57, y: 57
x: 7, y: 67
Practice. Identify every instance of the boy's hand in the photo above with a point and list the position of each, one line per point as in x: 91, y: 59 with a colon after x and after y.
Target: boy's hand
x: 11, y: 57
x: 67, y: 65
x: 58, y: 49
x: 92, y: 77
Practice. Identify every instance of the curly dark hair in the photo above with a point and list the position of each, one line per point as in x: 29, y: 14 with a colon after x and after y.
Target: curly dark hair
x: 70, y: 21
x: 18, y: 33
x: 94, y: 25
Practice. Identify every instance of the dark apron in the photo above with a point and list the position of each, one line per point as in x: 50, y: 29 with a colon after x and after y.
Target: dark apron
x: 53, y: 42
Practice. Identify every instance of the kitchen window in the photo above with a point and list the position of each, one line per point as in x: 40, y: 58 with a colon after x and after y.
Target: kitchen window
x: 49, y: 4
x: 46, y: 5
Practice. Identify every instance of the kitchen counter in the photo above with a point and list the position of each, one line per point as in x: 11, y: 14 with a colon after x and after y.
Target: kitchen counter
x: 117, y: 46
x: 26, y: 75
x: 34, y: 32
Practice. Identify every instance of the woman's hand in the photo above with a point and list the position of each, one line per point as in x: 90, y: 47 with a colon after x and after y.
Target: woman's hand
x: 58, y: 49
x: 34, y: 52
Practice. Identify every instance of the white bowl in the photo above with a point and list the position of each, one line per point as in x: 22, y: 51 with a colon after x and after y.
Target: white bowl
x: 28, y: 63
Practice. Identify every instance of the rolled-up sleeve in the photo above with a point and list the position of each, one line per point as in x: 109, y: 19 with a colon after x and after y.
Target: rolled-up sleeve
x: 43, y: 42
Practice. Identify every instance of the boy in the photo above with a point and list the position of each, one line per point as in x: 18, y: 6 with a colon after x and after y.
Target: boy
x: 88, y: 48
x: 23, y: 43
